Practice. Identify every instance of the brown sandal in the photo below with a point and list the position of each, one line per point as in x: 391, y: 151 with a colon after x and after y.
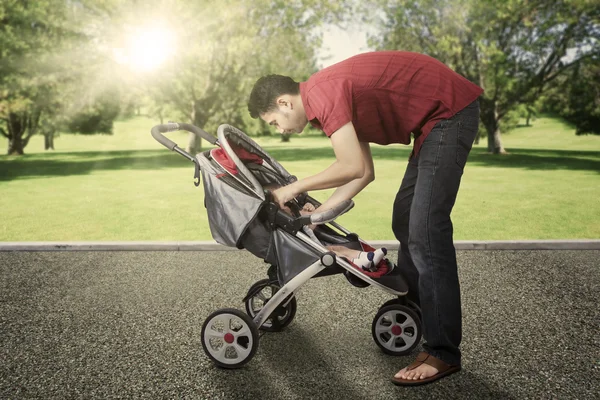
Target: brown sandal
x: 443, y: 370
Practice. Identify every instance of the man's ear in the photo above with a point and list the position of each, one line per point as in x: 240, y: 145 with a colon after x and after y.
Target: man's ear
x: 284, y: 101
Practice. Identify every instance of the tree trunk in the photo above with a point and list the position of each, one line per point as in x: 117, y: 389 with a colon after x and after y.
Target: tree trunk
x: 194, y: 145
x: 264, y: 128
x: 16, y: 128
x: 49, y: 141
x: 528, y: 118
x: 15, y: 146
x: 494, y: 140
x: 492, y: 126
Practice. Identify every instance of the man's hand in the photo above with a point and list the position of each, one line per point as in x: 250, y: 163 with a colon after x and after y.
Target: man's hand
x: 284, y: 194
x: 307, y: 210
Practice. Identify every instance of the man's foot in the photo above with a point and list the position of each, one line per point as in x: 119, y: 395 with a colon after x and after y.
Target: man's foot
x: 425, y: 369
x: 421, y: 372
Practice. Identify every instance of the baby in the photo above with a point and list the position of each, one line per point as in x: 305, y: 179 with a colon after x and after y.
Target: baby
x: 367, y: 260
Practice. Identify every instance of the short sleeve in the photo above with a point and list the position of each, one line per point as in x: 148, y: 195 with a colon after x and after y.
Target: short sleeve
x: 331, y: 102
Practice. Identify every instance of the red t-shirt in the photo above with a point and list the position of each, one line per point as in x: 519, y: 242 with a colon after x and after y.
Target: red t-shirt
x: 387, y: 95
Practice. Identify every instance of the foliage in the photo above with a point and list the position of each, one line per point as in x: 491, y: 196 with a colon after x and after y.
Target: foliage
x: 44, y: 60
x: 219, y: 59
x: 576, y: 97
x: 512, y: 49
x: 97, y: 117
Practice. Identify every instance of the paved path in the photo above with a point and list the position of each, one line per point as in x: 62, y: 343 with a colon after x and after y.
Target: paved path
x: 127, y: 324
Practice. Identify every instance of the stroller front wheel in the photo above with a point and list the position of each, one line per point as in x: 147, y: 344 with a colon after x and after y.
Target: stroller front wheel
x: 229, y: 338
x: 258, y: 295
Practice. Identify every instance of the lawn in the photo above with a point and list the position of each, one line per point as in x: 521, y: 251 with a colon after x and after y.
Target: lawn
x: 127, y: 187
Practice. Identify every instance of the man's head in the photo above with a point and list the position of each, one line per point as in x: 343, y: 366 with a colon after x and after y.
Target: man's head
x: 276, y: 99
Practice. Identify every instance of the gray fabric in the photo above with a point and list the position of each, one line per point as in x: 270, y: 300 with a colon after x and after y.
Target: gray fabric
x: 293, y: 256
x: 230, y: 207
x: 233, y: 210
x: 257, y: 239
x: 226, y: 146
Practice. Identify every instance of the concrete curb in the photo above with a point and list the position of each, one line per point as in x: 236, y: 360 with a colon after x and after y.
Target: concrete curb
x: 583, y: 244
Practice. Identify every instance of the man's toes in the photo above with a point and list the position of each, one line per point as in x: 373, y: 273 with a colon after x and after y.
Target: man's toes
x: 401, y: 374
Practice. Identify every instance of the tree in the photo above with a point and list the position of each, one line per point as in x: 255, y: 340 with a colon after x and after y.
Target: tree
x: 48, y: 60
x: 96, y: 116
x: 575, y: 97
x: 513, y: 49
x: 30, y: 34
x: 219, y: 60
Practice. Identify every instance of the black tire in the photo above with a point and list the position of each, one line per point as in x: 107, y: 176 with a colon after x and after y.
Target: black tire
x: 284, y: 315
x: 390, y: 336
x: 247, y: 341
x: 408, y: 303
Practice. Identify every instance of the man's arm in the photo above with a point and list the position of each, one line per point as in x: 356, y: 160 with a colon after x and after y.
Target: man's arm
x: 352, y: 188
x: 350, y: 173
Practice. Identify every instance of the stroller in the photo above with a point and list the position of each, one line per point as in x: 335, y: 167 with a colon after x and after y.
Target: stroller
x: 242, y: 214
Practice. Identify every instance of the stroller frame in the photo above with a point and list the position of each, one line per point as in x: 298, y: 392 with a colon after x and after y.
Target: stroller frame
x: 393, y: 284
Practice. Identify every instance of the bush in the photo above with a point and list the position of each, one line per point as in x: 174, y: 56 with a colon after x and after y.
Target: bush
x: 97, y: 117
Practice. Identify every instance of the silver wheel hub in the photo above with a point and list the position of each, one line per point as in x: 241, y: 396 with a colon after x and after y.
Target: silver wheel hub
x: 396, y: 330
x: 228, y: 338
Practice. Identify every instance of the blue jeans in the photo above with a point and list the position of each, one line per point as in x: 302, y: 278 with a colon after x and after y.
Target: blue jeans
x: 421, y: 222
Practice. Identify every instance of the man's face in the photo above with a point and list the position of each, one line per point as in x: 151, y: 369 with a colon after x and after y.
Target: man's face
x: 286, y: 118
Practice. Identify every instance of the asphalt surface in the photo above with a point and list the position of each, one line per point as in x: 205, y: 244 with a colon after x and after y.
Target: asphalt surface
x: 127, y: 325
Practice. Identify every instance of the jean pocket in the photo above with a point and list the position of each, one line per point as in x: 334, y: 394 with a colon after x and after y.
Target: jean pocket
x: 467, y: 130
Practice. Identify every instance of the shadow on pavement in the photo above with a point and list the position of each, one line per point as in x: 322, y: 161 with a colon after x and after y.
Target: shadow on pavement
x: 82, y: 163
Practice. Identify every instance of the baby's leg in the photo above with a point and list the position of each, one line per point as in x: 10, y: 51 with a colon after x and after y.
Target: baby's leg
x: 361, y: 259
x: 344, y: 251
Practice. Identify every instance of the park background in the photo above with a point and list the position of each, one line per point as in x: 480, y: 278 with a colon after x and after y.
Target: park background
x: 82, y: 83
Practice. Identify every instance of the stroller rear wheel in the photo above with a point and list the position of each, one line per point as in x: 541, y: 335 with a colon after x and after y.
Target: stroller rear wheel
x: 259, y: 294
x: 396, y: 329
x: 408, y: 303
x: 229, y: 338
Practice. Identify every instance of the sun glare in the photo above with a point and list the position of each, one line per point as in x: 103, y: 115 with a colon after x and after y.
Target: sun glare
x: 146, y: 49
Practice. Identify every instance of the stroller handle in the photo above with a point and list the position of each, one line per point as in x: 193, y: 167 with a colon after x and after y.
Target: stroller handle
x: 331, y: 214
x: 158, y: 130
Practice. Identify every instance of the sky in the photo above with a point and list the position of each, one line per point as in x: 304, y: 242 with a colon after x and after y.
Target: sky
x: 339, y: 44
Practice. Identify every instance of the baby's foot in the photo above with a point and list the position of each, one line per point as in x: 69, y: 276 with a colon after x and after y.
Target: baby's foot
x: 365, y: 260
x: 379, y: 254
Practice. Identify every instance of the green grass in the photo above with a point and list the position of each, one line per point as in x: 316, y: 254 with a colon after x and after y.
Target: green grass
x: 127, y: 187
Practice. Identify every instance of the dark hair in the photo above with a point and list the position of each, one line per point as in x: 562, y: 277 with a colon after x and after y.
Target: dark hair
x: 266, y: 90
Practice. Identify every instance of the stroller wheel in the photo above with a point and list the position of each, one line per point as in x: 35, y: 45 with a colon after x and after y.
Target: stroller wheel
x: 396, y: 329
x: 408, y: 303
x: 259, y: 294
x: 229, y: 338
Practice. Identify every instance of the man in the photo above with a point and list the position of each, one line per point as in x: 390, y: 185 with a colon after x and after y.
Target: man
x: 383, y: 97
